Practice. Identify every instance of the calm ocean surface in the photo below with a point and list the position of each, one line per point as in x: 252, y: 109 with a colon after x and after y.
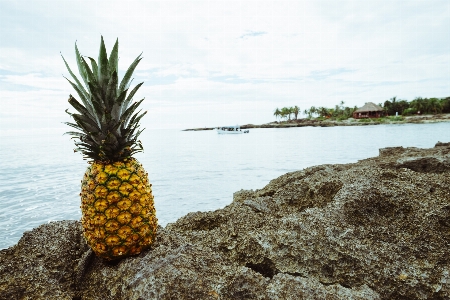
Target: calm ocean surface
x: 190, y: 171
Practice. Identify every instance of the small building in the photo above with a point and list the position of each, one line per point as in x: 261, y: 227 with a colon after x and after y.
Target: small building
x: 369, y: 110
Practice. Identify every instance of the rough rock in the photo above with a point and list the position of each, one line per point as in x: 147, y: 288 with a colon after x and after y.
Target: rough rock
x: 375, y: 229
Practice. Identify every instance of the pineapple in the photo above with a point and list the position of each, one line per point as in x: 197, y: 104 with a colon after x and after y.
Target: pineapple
x: 118, y: 215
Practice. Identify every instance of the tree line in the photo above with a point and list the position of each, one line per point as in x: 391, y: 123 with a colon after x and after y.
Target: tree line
x: 390, y: 107
x: 287, y: 112
x: 339, y: 112
x: 417, y: 106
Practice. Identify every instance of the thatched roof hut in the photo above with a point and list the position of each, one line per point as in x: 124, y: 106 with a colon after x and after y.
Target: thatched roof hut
x: 369, y: 110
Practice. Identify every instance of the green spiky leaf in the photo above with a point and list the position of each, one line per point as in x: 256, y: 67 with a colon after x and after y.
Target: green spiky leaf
x: 78, y: 83
x: 89, y: 74
x: 111, y: 90
x: 106, y: 117
x: 103, y: 76
x: 126, y: 78
x: 80, y: 108
x: 113, y: 63
x: 94, y: 68
x: 83, y: 98
x: 80, y: 65
x: 131, y: 95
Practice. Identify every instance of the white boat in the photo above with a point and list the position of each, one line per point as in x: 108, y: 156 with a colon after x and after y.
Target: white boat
x: 230, y: 130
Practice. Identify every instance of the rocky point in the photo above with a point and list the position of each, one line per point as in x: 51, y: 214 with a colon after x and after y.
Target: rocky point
x: 375, y: 229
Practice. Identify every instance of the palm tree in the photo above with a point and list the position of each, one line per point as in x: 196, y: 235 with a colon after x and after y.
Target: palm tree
x: 445, y: 105
x: 349, y: 111
x: 337, y: 111
x: 419, y: 104
x: 390, y: 106
x: 307, y: 112
x: 277, y: 113
x: 286, y: 112
x: 331, y: 112
x: 394, y: 105
x: 341, y: 107
x: 434, y: 105
x: 312, y: 110
x: 402, y: 105
x: 323, y: 111
x: 295, y: 111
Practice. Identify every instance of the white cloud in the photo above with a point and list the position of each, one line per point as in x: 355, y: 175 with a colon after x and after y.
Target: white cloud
x: 35, y: 80
x: 210, y: 57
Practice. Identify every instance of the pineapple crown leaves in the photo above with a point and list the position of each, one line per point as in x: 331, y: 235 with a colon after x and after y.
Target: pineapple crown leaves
x: 106, y: 117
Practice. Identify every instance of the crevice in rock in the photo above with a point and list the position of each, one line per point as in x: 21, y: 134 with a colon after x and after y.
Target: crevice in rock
x: 83, y: 264
x: 111, y: 263
x: 295, y: 274
x: 327, y: 283
x: 345, y: 285
x: 266, y: 268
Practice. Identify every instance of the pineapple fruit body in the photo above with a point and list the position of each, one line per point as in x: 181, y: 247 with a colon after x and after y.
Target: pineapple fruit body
x: 118, y: 214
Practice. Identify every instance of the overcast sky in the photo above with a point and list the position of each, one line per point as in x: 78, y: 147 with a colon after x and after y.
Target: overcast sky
x: 211, y: 63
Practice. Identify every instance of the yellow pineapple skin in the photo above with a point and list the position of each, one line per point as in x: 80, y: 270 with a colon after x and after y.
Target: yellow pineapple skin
x: 118, y: 213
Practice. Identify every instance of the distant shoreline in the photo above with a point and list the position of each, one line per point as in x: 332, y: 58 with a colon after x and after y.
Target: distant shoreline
x: 417, y: 119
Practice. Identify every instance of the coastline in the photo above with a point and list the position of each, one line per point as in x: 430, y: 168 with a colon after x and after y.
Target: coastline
x: 416, y: 119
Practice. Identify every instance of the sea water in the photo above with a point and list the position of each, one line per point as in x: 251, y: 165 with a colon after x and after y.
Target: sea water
x: 190, y: 171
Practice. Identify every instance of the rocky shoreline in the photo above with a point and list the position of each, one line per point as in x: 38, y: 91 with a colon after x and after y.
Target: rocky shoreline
x: 417, y: 119
x: 375, y: 229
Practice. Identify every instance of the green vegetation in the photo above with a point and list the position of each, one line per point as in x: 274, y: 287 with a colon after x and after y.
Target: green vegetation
x: 382, y: 120
x: 286, y: 112
x: 417, y: 106
x: 339, y: 112
x: 395, y: 118
x: 390, y: 107
x: 365, y: 120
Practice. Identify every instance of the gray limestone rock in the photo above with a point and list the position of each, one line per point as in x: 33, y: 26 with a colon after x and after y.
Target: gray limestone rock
x: 375, y: 229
